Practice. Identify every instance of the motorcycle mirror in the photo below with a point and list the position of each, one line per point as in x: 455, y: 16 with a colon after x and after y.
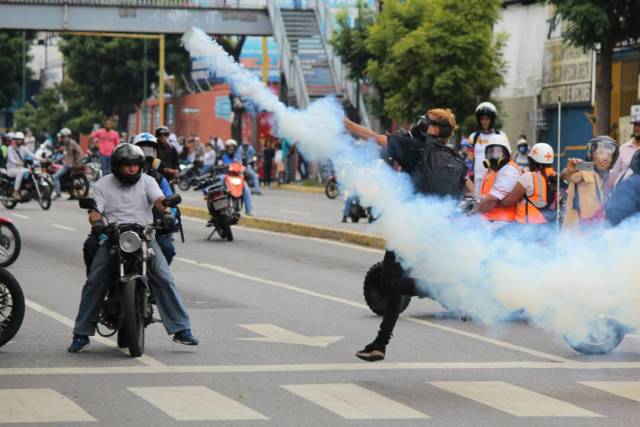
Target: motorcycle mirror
x: 88, y: 203
x: 172, y: 201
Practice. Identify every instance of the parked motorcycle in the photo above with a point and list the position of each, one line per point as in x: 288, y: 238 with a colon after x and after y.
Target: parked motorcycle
x: 35, y: 186
x: 187, y: 177
x: 331, y: 187
x: 12, y: 306
x: 127, y: 308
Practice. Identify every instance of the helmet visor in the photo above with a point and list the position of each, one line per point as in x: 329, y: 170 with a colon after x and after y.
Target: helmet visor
x: 148, y: 151
x: 495, y: 152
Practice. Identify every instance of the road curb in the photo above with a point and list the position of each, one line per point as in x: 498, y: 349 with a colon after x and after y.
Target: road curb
x: 362, y: 239
x: 299, y: 188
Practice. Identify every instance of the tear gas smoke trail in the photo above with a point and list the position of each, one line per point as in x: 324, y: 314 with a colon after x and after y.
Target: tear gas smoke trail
x: 563, y: 283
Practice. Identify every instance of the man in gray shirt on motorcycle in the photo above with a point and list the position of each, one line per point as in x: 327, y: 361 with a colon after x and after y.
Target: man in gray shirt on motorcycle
x: 128, y: 196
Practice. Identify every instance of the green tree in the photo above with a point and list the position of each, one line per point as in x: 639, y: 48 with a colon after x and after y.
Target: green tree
x: 435, y: 53
x: 109, y: 74
x: 11, y: 45
x: 600, y: 25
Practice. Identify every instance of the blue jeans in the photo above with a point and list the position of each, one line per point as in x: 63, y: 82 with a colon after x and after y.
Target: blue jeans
x: 254, y: 178
x: 165, y: 241
x: 246, y: 199
x: 58, y: 175
x: 208, y: 169
x: 347, y: 205
x: 172, y: 310
x: 105, y: 164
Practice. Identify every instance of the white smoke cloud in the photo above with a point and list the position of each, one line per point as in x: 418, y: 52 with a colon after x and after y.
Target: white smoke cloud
x: 563, y: 282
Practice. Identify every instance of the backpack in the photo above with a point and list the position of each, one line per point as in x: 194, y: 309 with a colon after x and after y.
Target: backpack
x: 549, y: 212
x: 443, y: 171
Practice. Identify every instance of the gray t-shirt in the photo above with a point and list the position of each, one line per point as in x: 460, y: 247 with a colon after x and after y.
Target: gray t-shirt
x: 127, y: 204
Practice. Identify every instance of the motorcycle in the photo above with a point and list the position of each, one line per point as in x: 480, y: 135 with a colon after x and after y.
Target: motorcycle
x: 35, y: 185
x: 187, y: 177
x: 12, y: 306
x: 74, y: 182
x: 93, y: 170
x: 224, y: 199
x: 357, y: 212
x: 127, y: 309
x: 331, y: 187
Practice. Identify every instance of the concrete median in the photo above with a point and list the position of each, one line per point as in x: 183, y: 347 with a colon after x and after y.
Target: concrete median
x: 297, y: 229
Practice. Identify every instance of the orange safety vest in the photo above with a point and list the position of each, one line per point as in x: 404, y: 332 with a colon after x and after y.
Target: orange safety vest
x: 528, y: 209
x: 498, y: 213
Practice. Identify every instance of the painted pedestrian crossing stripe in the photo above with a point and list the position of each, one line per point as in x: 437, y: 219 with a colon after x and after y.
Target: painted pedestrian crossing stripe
x: 39, y: 405
x: 196, y: 404
x: 346, y: 400
x: 513, y: 400
x: 353, y: 402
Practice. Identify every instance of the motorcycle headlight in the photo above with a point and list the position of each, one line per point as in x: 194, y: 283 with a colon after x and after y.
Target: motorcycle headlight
x: 130, y: 241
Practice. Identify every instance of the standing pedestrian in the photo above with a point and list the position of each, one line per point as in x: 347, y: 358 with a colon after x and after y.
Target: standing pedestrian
x: 279, y: 164
x: 106, y: 139
x: 268, y: 154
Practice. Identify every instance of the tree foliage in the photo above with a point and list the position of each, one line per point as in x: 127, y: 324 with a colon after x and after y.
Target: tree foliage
x: 350, y: 42
x: 11, y: 45
x: 601, y: 25
x: 422, y: 54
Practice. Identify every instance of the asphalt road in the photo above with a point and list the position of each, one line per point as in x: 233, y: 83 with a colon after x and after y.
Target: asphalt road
x: 279, y: 318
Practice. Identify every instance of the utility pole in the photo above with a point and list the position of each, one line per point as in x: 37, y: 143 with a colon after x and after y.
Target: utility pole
x: 144, y: 90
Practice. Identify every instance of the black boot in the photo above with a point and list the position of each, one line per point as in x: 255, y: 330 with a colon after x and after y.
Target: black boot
x: 375, y: 350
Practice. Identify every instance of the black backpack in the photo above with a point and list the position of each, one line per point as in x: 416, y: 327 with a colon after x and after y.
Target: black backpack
x: 443, y: 171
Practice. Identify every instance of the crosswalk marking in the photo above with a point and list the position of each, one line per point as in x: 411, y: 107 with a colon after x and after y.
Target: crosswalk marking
x: 513, y: 400
x: 627, y: 389
x: 39, y: 405
x: 353, y: 402
x: 195, y: 404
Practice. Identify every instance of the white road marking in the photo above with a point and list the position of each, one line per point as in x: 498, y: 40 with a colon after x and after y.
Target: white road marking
x: 70, y: 323
x: 39, y: 405
x: 275, y: 334
x: 195, y: 404
x: 626, y: 389
x: 293, y: 236
x: 319, y: 367
x: 513, y: 400
x: 17, y: 215
x: 327, y: 297
x: 63, y: 227
x: 352, y: 402
x: 291, y: 211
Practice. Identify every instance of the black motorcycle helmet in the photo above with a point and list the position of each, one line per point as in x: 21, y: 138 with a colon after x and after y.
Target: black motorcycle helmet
x: 127, y: 154
x: 162, y: 130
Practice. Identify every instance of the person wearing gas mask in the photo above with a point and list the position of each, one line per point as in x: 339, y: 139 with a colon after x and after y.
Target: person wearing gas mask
x: 486, y: 118
x: 413, y: 150
x: 501, y: 176
x: 586, y: 194
x: 128, y: 195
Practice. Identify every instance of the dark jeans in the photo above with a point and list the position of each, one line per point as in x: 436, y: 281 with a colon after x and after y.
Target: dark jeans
x: 396, y: 286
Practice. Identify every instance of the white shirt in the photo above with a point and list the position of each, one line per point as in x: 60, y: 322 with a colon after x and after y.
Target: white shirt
x: 210, y: 157
x: 527, y: 182
x: 127, y: 204
x: 478, y: 156
x: 506, y: 180
x: 278, y: 156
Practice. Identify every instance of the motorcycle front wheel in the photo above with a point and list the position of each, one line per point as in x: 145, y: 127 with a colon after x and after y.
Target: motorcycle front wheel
x: 44, y: 199
x: 10, y: 244
x: 133, y: 302
x: 184, y: 183
x: 79, y: 186
x: 374, y: 294
x: 603, y: 337
x: 11, y: 306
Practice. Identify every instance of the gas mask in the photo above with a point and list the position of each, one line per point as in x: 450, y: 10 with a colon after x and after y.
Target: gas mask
x: 496, y: 157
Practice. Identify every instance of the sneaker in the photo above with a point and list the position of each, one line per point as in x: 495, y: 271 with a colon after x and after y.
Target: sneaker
x: 372, y: 352
x: 79, y: 343
x: 56, y: 196
x: 185, y: 337
x: 344, y: 219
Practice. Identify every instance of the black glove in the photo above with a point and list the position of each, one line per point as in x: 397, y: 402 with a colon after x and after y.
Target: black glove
x: 168, y: 220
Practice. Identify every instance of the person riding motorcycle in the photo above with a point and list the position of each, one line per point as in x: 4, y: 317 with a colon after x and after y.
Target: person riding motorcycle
x: 486, y: 117
x: 431, y: 133
x: 532, y: 196
x: 16, y: 156
x: 501, y: 176
x: 128, y: 196
x: 72, y: 159
x: 233, y: 155
x: 167, y: 153
x: 248, y: 154
x: 587, y: 185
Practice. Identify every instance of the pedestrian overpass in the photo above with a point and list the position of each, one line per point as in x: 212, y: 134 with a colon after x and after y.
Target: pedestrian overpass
x: 302, y: 29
